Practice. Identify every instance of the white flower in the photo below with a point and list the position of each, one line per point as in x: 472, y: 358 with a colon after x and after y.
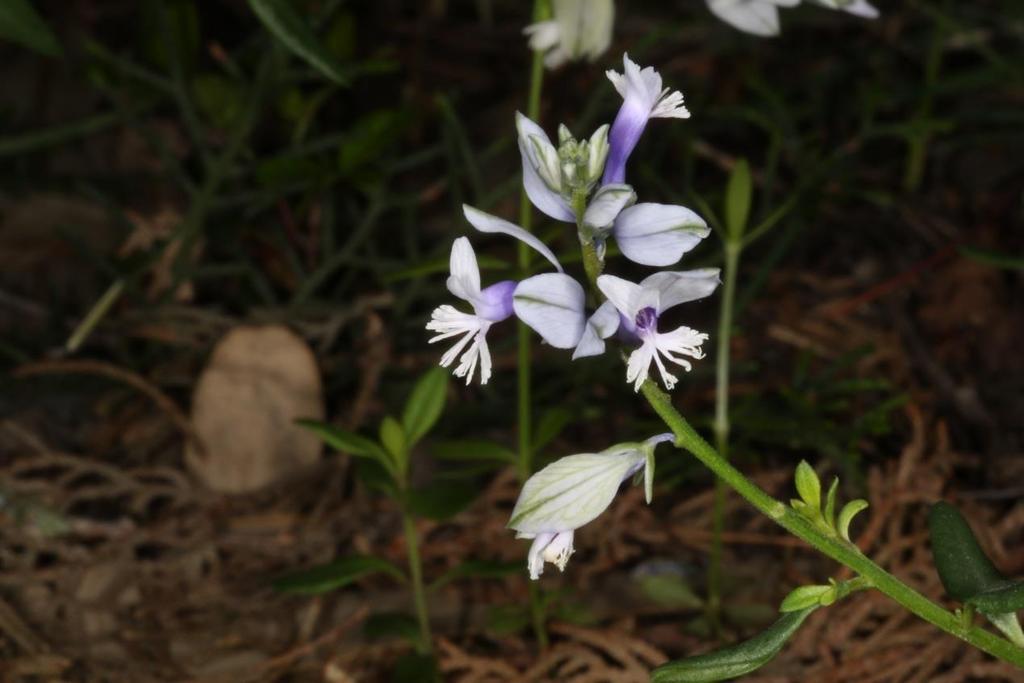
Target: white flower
x: 643, y: 98
x: 640, y: 306
x: 573, y: 491
x: 579, y: 29
x: 658, y: 234
x: 542, y: 176
x: 860, y: 8
x: 759, y: 17
x: 490, y: 305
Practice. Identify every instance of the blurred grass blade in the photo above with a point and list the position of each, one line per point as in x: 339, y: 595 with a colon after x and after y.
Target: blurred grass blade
x: 328, y: 577
x: 290, y: 28
x: 20, y: 23
x: 994, y: 258
x: 736, y: 660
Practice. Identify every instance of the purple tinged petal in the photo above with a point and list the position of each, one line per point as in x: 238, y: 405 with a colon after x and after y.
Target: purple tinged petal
x: 626, y: 130
x: 495, y: 302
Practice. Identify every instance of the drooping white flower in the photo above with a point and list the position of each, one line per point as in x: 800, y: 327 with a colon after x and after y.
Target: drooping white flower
x: 579, y: 29
x: 490, y: 305
x: 640, y: 306
x: 643, y: 98
x: 573, y: 491
x: 759, y: 17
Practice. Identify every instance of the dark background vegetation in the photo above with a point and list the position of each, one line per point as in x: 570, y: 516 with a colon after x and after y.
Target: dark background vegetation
x: 181, y: 161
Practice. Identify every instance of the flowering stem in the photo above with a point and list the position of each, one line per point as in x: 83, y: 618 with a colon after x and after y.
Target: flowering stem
x: 416, y: 572
x: 839, y: 550
x: 721, y: 424
x: 541, y: 11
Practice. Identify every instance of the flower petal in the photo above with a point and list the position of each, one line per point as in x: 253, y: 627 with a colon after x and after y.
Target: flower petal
x: 658, y: 234
x: 626, y: 296
x: 485, y: 222
x: 679, y: 287
x: 552, y: 305
x: 601, y: 325
x: 752, y: 16
x: 464, y: 281
x: 606, y: 204
x: 544, y: 198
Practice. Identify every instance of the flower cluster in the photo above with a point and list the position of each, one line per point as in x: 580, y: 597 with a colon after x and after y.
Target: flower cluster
x: 583, y: 182
x: 761, y: 17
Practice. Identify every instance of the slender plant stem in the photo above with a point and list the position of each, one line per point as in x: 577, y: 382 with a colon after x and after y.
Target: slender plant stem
x: 834, y: 547
x: 918, y: 150
x: 541, y: 12
x: 416, y: 572
x: 721, y: 423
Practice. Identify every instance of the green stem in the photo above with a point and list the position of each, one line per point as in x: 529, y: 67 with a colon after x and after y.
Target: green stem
x: 839, y: 550
x: 918, y: 152
x: 416, y: 572
x: 541, y: 11
x: 721, y: 423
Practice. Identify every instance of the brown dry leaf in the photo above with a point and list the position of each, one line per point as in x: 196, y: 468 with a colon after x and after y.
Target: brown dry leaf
x: 259, y: 380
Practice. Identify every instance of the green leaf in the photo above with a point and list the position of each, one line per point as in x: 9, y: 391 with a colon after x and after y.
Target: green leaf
x: 994, y: 258
x: 345, y: 441
x: 479, y: 569
x: 328, y: 577
x: 830, y: 503
x: 808, y: 485
x: 425, y: 404
x: 549, y: 426
x: 20, y: 23
x: 737, y: 200
x: 285, y: 24
x: 734, y: 661
x: 1010, y: 598
x: 473, y: 449
x: 442, y: 500
x: 964, y: 568
x: 669, y: 590
x: 394, y: 439
x: 847, y: 514
x: 804, y: 597
x: 415, y: 667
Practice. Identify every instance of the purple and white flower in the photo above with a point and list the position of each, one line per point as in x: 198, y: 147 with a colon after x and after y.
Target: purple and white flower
x: 490, y: 305
x: 641, y: 305
x: 643, y: 98
x: 573, y: 491
x: 657, y: 234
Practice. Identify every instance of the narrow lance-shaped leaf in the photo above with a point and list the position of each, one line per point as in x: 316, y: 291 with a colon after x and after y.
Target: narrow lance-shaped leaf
x: 347, y: 442
x: 20, y: 23
x: 737, y: 200
x: 425, y: 404
x: 847, y: 514
x: 734, y: 661
x: 336, y: 574
x: 808, y: 485
x: 285, y: 24
x: 395, y: 441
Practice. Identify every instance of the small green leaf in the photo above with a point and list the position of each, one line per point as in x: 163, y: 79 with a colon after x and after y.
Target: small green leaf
x: 346, y: 442
x: 736, y: 660
x: 20, y: 23
x: 442, y: 500
x: 737, y: 200
x: 1009, y: 598
x: 473, y: 449
x: 425, y: 404
x: 808, y: 485
x: 964, y: 568
x: 393, y: 437
x: 549, y: 426
x: 847, y: 514
x: 804, y: 597
x: 830, y: 503
x: 285, y: 24
x: 669, y: 590
x: 336, y: 574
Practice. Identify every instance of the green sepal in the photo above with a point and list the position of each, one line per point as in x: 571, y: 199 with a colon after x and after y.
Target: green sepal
x: 736, y: 660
